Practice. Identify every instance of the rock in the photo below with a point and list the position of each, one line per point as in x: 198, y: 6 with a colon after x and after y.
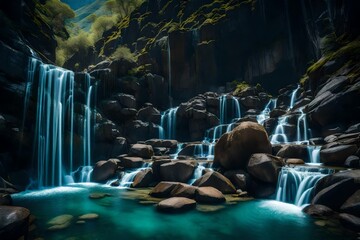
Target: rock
x: 352, y: 161
x: 177, y: 171
x: 265, y: 167
x: 277, y: 113
x: 209, y: 195
x: 353, y: 129
x: 352, y: 204
x: 318, y: 211
x: 239, y: 178
x: 149, y: 114
x: 176, y: 204
x: 103, y: 170
x: 144, y: 178
x: 131, y: 162
x: 260, y: 189
x: 141, y: 150
x: 98, y: 195
x: 162, y: 143
x: 14, y: 222
x: 156, y: 167
x: 126, y: 100
x: 336, y: 194
x: 163, y: 189
x: 183, y: 190
x: 337, y: 155
x: 295, y: 161
x: 89, y: 216
x: 5, y: 199
x: 350, y: 221
x: 294, y: 151
x: 106, y: 132
x: 216, y: 180
x: 234, y: 149
x: 59, y: 220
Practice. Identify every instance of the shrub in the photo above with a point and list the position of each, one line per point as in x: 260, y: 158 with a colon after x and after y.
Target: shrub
x: 123, y: 52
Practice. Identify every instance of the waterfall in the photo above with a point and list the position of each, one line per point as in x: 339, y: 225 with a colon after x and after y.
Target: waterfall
x: 295, y: 185
x: 199, y: 150
x: 302, y: 135
x: 179, y: 147
x: 293, y: 97
x: 235, y: 111
x: 279, y: 135
x: 128, y: 178
x: 169, y: 69
x: 54, y: 128
x: 198, y: 172
x: 265, y: 114
x: 314, y: 153
x: 168, y: 124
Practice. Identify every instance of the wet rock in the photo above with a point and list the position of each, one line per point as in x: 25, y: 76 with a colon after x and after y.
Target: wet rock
x: 176, y: 204
x: 131, y: 162
x: 234, y: 149
x: 216, y: 180
x: 5, y: 199
x: 183, y: 190
x: 159, y: 143
x: 318, y: 211
x: 163, y: 189
x: 295, y: 161
x: 60, y: 222
x: 144, y: 178
x: 14, y: 222
x: 156, y: 167
x: 106, y: 132
x: 352, y: 204
x: 98, y: 195
x: 293, y: 151
x: 277, y: 113
x: 335, y: 178
x: 177, y: 171
x: 149, y: 114
x: 337, y: 155
x: 126, y: 100
x: 352, y: 161
x: 336, y: 194
x: 353, y: 129
x: 103, y: 170
x: 141, y: 150
x: 265, y: 167
x: 89, y: 216
x: 261, y: 189
x: 209, y: 195
x: 349, y: 221
x: 250, y: 102
x: 239, y: 178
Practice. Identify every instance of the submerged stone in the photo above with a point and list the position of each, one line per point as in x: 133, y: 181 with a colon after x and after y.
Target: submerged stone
x: 176, y: 204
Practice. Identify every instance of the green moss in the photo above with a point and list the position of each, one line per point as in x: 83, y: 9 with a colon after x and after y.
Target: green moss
x: 240, y: 86
x: 123, y: 52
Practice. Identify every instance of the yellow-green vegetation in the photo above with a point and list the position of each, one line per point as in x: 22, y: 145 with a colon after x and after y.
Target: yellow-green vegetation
x: 123, y: 52
x: 54, y: 13
x: 240, y: 86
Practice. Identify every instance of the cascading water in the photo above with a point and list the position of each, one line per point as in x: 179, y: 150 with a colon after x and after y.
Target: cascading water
x: 168, y: 124
x: 295, y: 185
x: 54, y: 129
x: 302, y: 128
x: 279, y: 135
x: 235, y: 109
x: 314, y: 153
x: 266, y: 112
x: 293, y: 97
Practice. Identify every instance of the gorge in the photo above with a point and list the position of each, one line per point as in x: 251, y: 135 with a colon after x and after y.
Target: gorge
x: 179, y: 119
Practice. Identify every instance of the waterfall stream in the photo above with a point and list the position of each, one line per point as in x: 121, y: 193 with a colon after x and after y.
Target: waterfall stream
x: 167, y: 129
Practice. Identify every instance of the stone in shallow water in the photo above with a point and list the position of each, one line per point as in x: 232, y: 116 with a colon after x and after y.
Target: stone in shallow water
x: 89, y: 216
x: 209, y: 195
x: 216, y: 180
x: 62, y: 219
x: 14, y: 222
x: 98, y: 195
x: 209, y: 208
x: 176, y: 204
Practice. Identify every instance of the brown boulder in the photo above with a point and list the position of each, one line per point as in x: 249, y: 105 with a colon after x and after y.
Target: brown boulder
x: 141, y: 150
x: 318, y: 211
x: 295, y: 161
x: 14, y: 222
x: 131, y: 162
x: 183, y: 190
x: 156, y: 166
x: 234, y: 149
x: 265, y: 167
x: 209, y: 195
x: 352, y: 204
x: 144, y: 178
x: 176, y: 204
x: 337, y: 155
x: 177, y: 171
x: 163, y: 189
x: 216, y: 180
x: 103, y: 170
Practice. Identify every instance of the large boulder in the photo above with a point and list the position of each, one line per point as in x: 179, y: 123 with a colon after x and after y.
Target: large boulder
x: 141, y: 150
x: 149, y: 114
x: 144, y: 178
x: 234, y: 149
x: 239, y: 178
x: 265, y: 167
x: 103, y: 170
x: 163, y: 189
x: 336, y: 194
x: 176, y: 204
x: 156, y: 167
x: 159, y: 143
x: 131, y: 162
x: 335, y: 178
x: 216, y: 180
x: 183, y: 190
x: 14, y: 222
x: 177, y: 171
x: 350, y: 221
x: 337, y: 155
x: 294, y: 151
x: 352, y: 204
x: 318, y: 211
x: 209, y: 195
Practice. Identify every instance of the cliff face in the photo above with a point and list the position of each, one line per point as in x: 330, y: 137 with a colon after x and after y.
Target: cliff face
x: 210, y: 43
